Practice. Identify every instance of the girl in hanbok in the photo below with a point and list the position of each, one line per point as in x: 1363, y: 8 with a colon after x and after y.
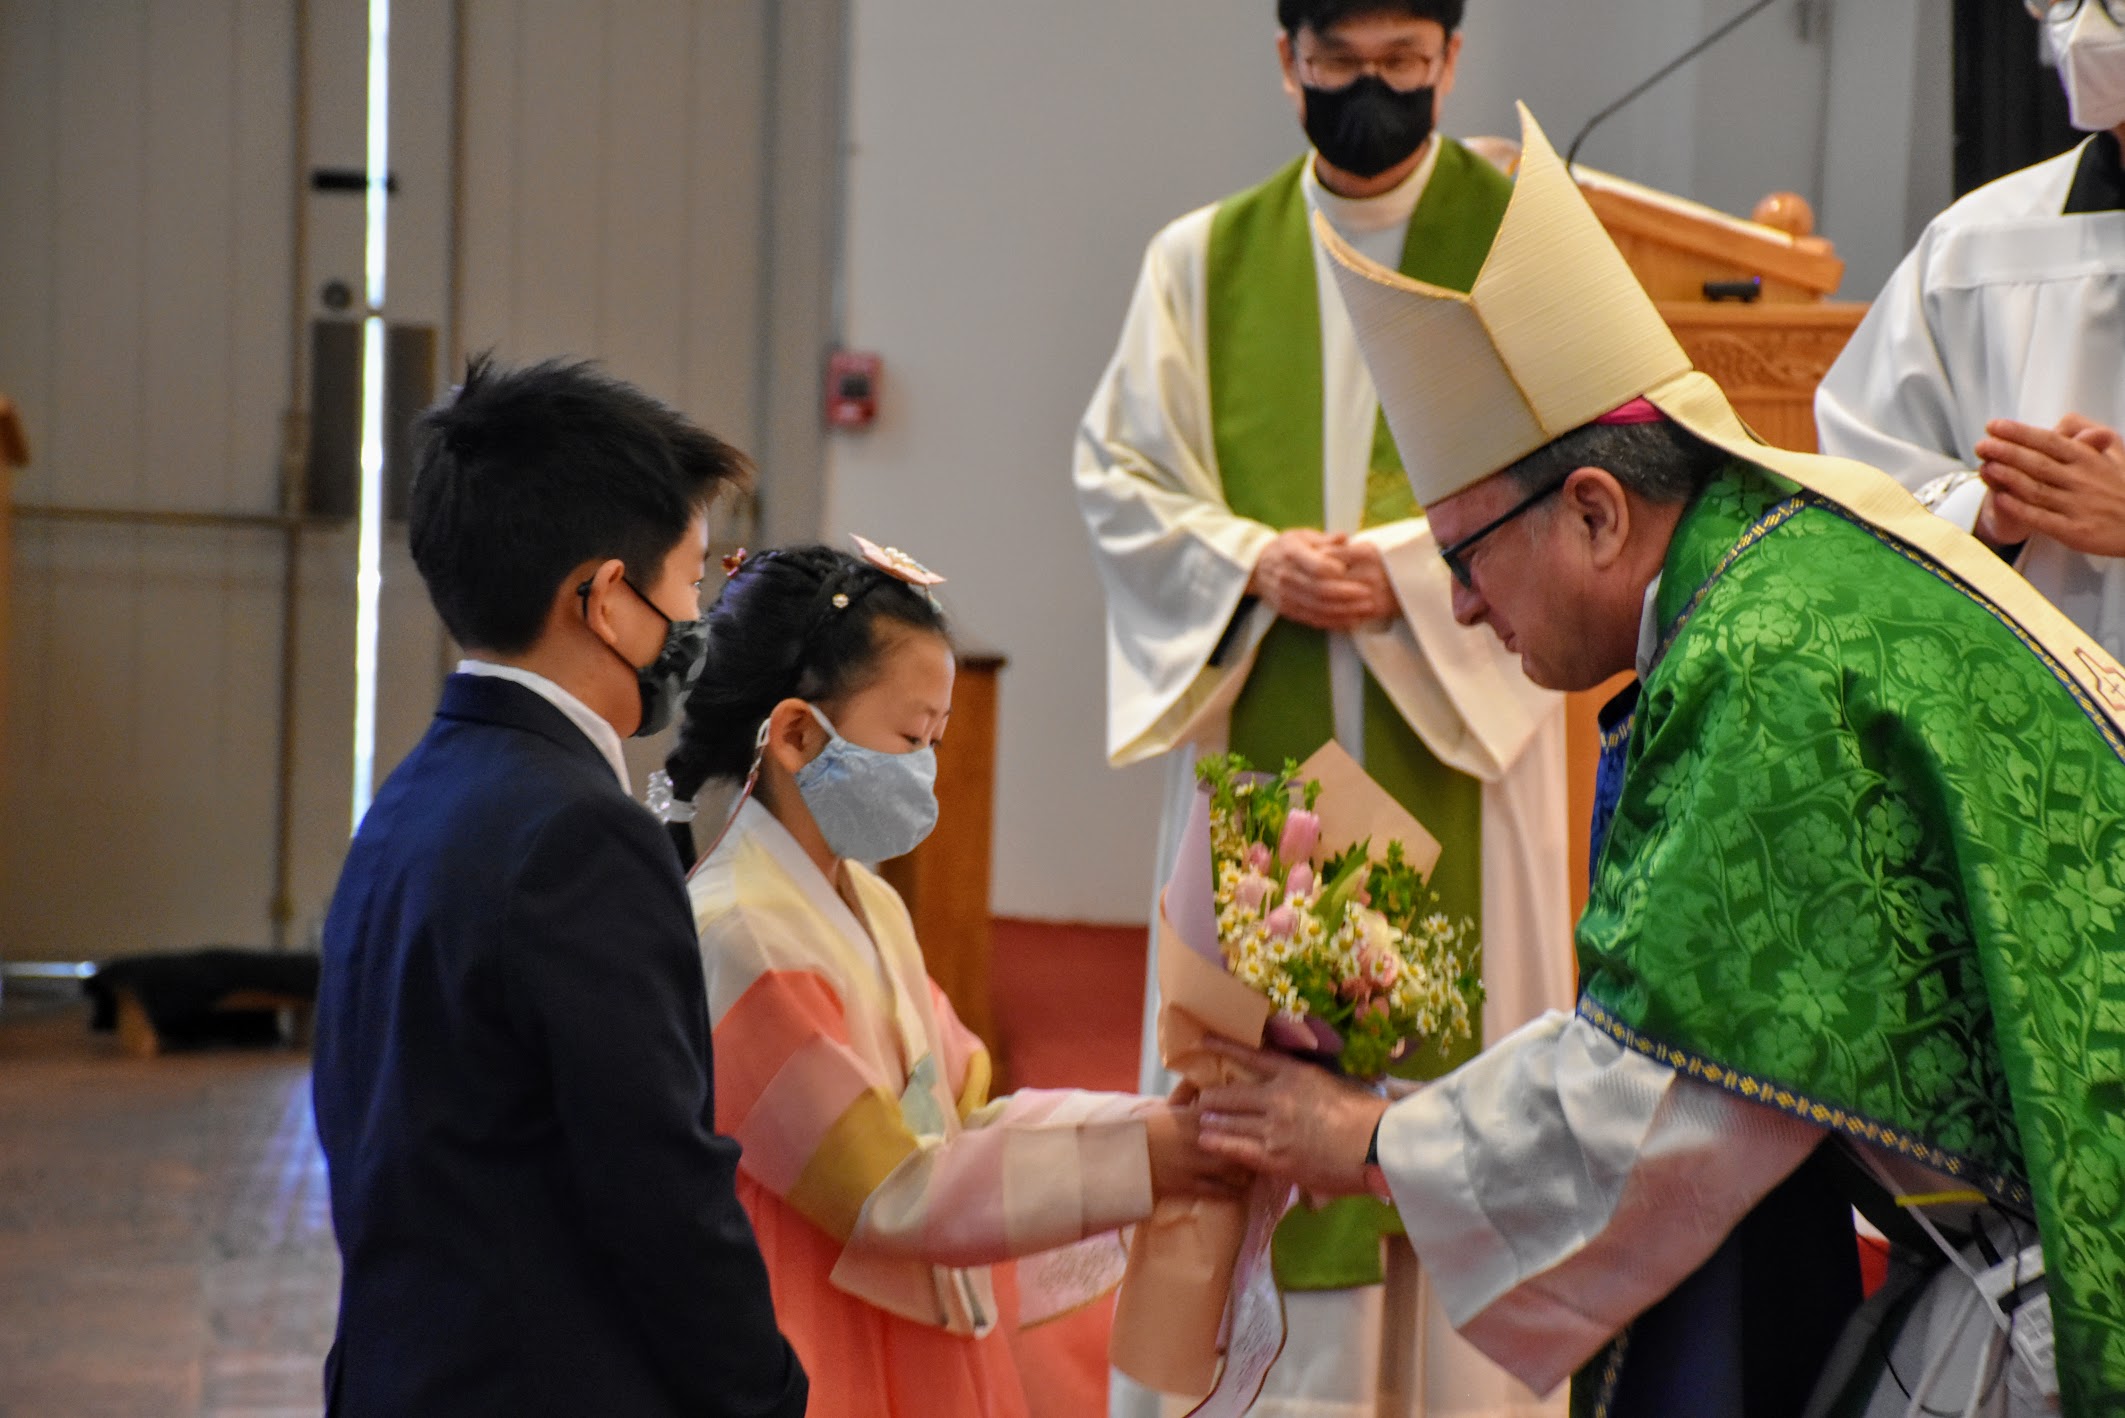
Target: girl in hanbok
x: 880, y: 1177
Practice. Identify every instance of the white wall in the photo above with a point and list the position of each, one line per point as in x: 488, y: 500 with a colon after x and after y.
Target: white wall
x: 1007, y: 164
x: 1008, y: 161
x: 1847, y: 102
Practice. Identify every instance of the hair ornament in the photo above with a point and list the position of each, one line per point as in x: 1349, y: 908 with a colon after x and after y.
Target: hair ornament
x: 732, y: 562
x: 661, y: 799
x: 896, y: 563
x: 841, y: 600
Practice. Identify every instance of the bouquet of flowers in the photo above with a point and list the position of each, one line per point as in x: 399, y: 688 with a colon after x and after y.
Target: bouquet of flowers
x: 1298, y: 913
x: 1355, y: 954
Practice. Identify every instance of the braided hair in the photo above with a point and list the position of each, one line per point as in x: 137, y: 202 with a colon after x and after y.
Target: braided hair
x: 791, y: 623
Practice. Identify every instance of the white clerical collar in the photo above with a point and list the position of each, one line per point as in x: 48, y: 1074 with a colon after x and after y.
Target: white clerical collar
x: 1649, y: 629
x: 601, y: 734
x: 1357, y: 216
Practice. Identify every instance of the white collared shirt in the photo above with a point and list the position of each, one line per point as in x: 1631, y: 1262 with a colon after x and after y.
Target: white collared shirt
x: 1649, y: 629
x: 593, y: 724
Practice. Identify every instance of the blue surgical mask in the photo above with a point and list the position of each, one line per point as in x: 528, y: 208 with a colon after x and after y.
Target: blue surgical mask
x: 870, y: 805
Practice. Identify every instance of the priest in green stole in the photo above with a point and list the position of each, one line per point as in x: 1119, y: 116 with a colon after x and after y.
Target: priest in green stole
x: 1858, y: 918
x: 1272, y: 585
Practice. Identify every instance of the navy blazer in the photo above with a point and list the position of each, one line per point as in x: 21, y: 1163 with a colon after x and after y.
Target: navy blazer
x: 514, y: 1093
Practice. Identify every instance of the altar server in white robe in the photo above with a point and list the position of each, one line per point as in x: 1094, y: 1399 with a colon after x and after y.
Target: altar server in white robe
x: 1271, y: 584
x: 1999, y: 344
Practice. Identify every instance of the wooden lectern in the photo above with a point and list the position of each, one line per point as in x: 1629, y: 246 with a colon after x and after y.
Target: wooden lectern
x: 945, y: 881
x: 14, y: 453
x: 1767, y: 351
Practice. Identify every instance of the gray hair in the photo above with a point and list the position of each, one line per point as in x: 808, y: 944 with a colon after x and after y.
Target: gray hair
x: 1661, y: 462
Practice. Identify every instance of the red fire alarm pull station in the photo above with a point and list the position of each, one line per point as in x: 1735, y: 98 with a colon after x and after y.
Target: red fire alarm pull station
x: 852, y: 388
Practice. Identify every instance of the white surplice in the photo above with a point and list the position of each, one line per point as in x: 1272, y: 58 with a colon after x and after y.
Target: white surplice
x: 1557, y: 1185
x: 1175, y: 561
x: 2007, y: 308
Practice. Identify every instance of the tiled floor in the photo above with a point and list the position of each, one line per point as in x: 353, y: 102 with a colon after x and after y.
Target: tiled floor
x: 165, y: 1241
x: 165, y: 1245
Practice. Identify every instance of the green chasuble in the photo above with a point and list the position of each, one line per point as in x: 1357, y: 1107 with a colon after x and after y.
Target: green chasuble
x: 1868, y: 866
x: 1264, y: 340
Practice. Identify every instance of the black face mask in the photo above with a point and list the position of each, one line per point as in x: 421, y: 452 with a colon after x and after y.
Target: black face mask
x: 665, y: 681
x: 1367, y: 126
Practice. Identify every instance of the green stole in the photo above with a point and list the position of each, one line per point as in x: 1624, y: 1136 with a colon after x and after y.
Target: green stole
x: 1264, y: 340
x: 1868, y: 867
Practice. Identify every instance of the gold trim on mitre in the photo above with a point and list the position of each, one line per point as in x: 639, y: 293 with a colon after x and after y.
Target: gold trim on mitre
x: 1556, y: 332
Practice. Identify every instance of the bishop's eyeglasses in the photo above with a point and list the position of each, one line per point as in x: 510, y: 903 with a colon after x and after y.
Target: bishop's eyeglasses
x: 2058, y: 12
x: 1455, y: 556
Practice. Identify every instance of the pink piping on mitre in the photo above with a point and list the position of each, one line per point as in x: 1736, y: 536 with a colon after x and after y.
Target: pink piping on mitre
x: 1639, y: 410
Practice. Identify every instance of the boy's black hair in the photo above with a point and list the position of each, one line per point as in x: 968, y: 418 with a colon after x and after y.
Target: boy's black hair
x: 525, y: 474
x: 1323, y: 15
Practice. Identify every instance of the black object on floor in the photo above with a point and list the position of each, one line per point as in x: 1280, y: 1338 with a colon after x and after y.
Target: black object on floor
x: 186, y: 994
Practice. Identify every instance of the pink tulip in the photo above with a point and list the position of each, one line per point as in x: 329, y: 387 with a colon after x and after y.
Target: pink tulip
x: 1301, y: 831
x: 1300, y: 881
x: 1252, y: 890
x: 1283, y: 922
x: 1307, y: 1036
x: 1257, y: 857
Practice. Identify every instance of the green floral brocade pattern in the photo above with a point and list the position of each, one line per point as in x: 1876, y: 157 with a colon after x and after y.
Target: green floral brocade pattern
x: 1869, y: 867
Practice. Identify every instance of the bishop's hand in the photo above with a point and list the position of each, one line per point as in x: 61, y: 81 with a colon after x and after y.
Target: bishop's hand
x: 2067, y: 483
x: 1293, y: 1120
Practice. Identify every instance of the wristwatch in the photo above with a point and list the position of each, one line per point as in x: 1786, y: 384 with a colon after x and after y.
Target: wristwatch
x: 1375, y: 1178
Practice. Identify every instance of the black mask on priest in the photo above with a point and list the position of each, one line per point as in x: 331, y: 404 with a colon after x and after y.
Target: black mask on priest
x: 1368, y: 125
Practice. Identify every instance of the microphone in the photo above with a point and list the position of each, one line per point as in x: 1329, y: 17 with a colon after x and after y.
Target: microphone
x: 1571, y: 154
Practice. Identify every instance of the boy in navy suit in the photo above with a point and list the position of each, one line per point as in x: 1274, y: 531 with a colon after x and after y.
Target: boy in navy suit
x: 513, y: 1073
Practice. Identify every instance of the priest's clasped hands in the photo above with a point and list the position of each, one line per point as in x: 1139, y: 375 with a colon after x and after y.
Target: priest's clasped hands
x: 2066, y: 483
x: 1323, y: 580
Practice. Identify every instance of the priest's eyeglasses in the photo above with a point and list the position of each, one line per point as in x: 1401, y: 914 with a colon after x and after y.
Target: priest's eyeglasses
x: 1402, y: 70
x: 1456, y: 556
x: 2060, y: 11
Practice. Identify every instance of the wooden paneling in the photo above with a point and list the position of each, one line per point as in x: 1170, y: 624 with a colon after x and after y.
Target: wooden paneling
x: 14, y: 453
x: 146, y: 223
x: 603, y: 171
x: 611, y: 192
x: 1768, y: 358
x: 945, y: 881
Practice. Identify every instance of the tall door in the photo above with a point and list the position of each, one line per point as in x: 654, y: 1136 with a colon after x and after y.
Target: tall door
x: 645, y: 182
x: 147, y: 228
x: 651, y: 183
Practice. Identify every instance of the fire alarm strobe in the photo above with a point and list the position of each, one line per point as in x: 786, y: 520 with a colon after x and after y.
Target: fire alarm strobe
x: 852, y: 388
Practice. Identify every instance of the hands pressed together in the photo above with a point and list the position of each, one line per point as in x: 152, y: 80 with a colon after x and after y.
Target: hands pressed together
x: 2066, y: 483
x: 1279, y: 1116
x: 1180, y: 1165
x: 1325, y: 580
